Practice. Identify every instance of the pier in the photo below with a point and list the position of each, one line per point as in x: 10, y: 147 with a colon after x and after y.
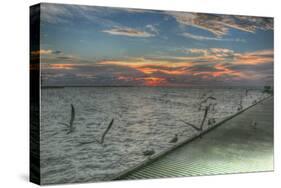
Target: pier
x: 241, y: 143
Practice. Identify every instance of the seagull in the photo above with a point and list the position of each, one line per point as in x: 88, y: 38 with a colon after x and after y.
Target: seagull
x: 175, y: 139
x: 69, y: 125
x: 148, y: 152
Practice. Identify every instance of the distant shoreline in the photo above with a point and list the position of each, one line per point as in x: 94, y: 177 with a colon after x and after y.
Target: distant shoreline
x: 190, y: 87
x: 47, y: 87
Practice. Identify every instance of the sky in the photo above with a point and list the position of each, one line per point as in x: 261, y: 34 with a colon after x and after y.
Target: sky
x: 102, y: 46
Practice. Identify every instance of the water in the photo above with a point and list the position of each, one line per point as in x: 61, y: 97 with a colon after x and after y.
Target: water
x: 144, y: 118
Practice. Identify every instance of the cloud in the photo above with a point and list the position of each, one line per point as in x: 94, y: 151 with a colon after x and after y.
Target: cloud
x: 67, y: 14
x: 264, y: 67
x: 152, y: 28
x: 67, y: 57
x: 209, y: 64
x: 145, y: 80
x: 77, y: 73
x: 150, y: 66
x: 153, y: 81
x: 222, y: 52
x: 55, y: 57
x: 46, y: 52
x: 254, y: 58
x: 42, y: 52
x: 62, y: 66
x: 219, y: 25
x: 254, y: 23
x: 230, y: 56
x: 130, y: 32
x: 221, y: 70
x: 57, y: 52
x: 207, y: 55
x: 201, y: 38
x: 197, y: 51
x: 197, y: 67
x: 55, y: 13
x: 50, y: 56
x: 202, y: 21
x: 255, y: 65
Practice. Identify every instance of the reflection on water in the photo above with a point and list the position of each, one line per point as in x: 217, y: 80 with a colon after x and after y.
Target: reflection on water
x: 144, y: 118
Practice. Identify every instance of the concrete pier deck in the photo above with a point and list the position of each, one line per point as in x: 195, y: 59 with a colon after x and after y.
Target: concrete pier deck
x: 236, y: 146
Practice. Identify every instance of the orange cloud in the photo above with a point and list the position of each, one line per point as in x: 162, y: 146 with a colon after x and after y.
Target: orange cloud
x: 60, y: 66
x: 147, y: 81
x: 221, y: 70
x: 211, y: 63
x: 254, y: 58
x: 41, y: 52
x: 148, y: 70
x: 205, y: 63
x: 148, y: 66
x: 153, y: 81
x: 220, y: 55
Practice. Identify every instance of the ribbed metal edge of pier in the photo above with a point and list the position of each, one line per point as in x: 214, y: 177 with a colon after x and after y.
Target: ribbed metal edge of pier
x: 236, y: 147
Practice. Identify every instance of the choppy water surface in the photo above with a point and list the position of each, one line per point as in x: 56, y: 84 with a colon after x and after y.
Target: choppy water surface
x: 144, y: 118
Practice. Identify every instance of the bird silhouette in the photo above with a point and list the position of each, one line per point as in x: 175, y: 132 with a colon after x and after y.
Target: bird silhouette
x: 175, y: 139
x: 70, y: 126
